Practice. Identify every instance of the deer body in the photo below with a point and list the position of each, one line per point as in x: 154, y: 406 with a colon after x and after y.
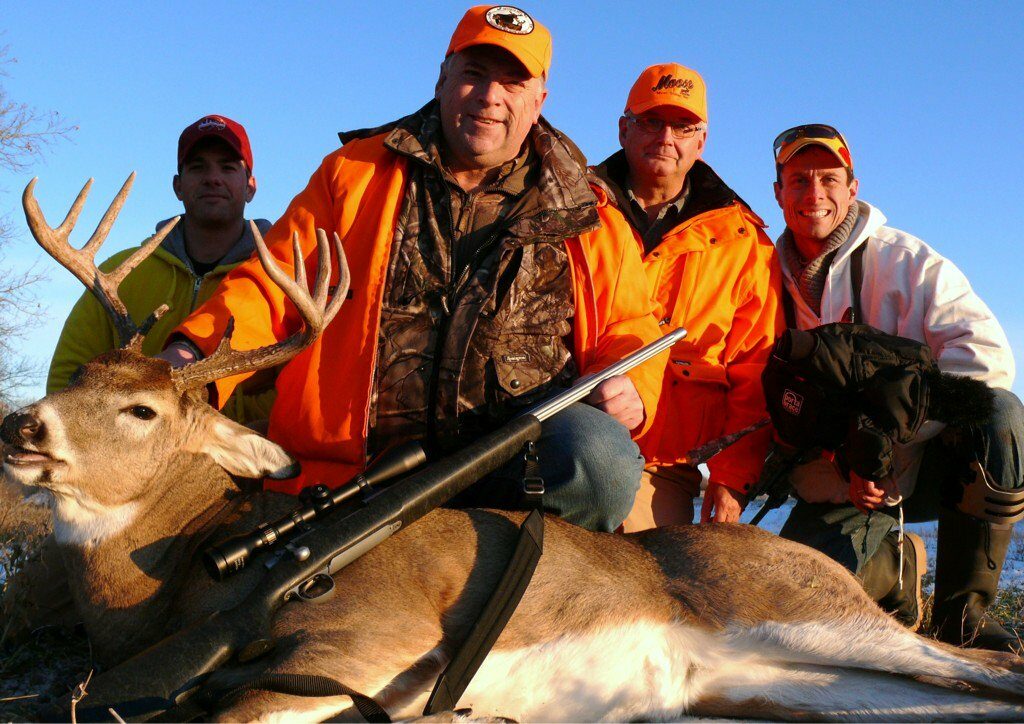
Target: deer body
x: 712, y: 620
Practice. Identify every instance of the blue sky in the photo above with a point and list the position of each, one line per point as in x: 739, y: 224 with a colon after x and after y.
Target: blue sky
x: 928, y: 94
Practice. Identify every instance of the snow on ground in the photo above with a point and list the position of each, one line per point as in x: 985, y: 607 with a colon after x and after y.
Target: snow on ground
x: 1013, y: 571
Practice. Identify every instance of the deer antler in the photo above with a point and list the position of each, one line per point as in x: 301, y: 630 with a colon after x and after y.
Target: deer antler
x: 82, y: 262
x: 315, y: 310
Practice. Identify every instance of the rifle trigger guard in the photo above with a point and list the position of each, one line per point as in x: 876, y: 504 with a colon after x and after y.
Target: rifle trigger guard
x: 317, y: 589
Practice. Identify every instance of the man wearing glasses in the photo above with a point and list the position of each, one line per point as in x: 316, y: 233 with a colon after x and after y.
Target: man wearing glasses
x: 841, y: 264
x: 712, y: 270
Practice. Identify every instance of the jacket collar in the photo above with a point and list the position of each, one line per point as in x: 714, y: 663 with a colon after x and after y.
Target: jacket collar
x: 560, y: 203
x: 708, y: 192
x: 174, y: 243
x: 868, y: 223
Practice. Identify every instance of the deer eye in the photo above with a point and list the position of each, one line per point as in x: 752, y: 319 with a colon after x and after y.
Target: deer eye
x: 142, y: 412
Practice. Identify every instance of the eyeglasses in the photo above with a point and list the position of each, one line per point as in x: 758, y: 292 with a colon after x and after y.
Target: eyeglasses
x: 818, y: 131
x: 655, y: 125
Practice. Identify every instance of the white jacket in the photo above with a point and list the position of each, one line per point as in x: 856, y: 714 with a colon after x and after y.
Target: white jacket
x: 912, y: 291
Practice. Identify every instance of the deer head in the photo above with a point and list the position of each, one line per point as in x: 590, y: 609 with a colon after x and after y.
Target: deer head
x: 97, y: 446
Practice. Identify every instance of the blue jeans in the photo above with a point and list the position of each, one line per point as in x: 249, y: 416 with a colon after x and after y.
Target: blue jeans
x: 590, y: 467
x: 850, y: 537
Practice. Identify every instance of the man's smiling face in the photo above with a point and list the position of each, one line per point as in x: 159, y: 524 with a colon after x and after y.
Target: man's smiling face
x: 488, y: 103
x: 815, y: 194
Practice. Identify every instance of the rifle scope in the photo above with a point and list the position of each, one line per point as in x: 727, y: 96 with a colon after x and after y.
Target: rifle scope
x: 233, y: 554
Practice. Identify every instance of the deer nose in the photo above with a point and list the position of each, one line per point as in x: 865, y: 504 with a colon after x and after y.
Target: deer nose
x: 20, y: 427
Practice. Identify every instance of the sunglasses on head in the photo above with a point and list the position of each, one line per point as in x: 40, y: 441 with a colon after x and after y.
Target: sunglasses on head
x: 809, y: 130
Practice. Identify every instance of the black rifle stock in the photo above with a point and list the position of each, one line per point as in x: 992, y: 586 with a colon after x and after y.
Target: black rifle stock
x: 171, y: 671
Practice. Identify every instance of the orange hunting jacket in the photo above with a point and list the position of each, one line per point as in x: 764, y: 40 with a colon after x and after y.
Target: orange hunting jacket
x: 320, y: 416
x: 717, y: 275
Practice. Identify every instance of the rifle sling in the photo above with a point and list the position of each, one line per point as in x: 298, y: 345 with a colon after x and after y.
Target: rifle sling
x: 455, y: 678
x: 856, y: 282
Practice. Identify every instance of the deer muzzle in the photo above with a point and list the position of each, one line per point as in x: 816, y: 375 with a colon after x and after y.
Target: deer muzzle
x: 21, y: 428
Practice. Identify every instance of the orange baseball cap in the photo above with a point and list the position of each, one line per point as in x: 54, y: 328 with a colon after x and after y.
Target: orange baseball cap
x: 509, y: 28
x: 669, y: 84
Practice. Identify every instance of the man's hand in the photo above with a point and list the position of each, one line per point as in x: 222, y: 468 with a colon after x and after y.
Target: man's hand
x: 178, y: 354
x: 866, y: 495
x: 726, y: 503
x: 618, y: 397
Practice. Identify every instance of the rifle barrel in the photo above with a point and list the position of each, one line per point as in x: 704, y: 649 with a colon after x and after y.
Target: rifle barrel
x: 586, y: 385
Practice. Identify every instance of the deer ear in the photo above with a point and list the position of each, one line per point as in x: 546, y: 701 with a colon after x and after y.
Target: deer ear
x: 246, y: 454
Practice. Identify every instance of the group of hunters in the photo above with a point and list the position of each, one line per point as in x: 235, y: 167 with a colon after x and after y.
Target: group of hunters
x: 490, y: 267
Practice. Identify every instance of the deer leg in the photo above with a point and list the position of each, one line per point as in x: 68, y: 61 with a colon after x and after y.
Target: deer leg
x: 780, y: 690
x: 878, y: 644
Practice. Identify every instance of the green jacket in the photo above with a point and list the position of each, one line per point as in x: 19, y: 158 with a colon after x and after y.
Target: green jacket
x: 165, y: 277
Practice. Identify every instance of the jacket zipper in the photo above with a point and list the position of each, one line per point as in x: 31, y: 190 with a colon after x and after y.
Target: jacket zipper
x: 451, y: 291
x: 196, y: 283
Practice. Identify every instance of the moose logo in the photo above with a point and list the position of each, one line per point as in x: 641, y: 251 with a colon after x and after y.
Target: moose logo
x: 792, y: 402
x: 510, y: 19
x: 682, y: 86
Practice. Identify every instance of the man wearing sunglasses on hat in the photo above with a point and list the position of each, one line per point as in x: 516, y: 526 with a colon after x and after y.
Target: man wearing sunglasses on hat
x: 712, y: 270
x: 841, y: 263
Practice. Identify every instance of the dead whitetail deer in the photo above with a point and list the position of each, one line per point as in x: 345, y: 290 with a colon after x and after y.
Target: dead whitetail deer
x: 701, y: 620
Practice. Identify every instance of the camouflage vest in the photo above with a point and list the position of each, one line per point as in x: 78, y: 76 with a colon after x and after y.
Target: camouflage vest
x: 463, y: 347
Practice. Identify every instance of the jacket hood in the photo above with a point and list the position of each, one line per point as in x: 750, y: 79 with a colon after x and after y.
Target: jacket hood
x: 708, y: 192
x: 563, y: 197
x: 174, y: 244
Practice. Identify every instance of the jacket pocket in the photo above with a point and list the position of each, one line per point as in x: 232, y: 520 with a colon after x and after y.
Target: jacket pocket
x: 532, y: 356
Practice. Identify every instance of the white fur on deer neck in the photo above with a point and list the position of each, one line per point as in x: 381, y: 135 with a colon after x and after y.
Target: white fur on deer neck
x: 83, y: 522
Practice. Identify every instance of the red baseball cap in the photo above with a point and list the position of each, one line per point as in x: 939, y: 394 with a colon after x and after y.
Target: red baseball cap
x: 223, y: 128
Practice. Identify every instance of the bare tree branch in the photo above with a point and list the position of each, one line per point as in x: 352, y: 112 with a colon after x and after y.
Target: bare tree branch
x: 25, y: 134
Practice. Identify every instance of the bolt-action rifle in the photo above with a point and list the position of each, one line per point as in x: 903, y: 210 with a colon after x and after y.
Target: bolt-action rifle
x: 173, y: 670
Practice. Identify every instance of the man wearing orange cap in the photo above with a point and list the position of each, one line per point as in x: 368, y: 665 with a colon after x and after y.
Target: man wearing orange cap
x: 486, y: 274
x: 841, y: 263
x: 712, y: 270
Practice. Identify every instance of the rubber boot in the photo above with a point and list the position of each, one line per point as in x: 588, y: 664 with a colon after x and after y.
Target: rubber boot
x: 880, y: 577
x: 971, y: 554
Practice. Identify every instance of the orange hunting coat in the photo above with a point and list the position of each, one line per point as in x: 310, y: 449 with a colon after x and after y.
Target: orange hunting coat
x: 321, y: 412
x: 717, y: 275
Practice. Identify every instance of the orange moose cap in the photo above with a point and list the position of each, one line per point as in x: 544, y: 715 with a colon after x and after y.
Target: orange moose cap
x: 669, y: 84
x: 507, y: 27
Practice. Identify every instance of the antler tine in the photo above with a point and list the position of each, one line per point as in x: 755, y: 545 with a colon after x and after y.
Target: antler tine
x: 323, y: 273
x: 153, y: 318
x: 315, y: 311
x: 109, y: 217
x: 76, y: 208
x: 299, y: 295
x: 344, y: 281
x: 300, y: 269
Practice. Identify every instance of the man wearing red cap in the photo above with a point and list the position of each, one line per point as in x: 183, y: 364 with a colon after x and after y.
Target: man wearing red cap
x: 486, y: 274
x: 214, y: 182
x: 841, y: 263
x: 712, y: 270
